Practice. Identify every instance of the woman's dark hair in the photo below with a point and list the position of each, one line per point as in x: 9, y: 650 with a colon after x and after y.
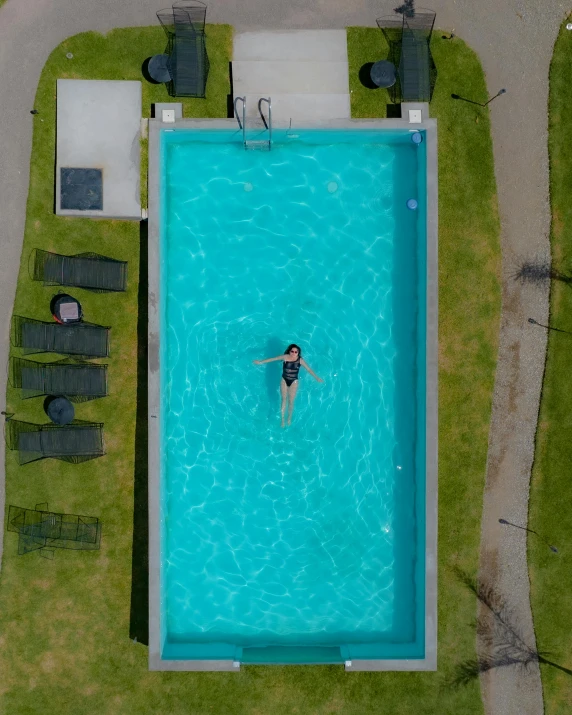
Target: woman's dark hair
x: 293, y: 345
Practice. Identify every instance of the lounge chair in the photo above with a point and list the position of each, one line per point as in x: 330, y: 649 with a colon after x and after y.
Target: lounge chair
x: 78, y: 381
x: 188, y: 63
x: 37, y: 336
x: 40, y: 529
x: 84, y: 270
x: 77, y: 442
x: 409, y: 38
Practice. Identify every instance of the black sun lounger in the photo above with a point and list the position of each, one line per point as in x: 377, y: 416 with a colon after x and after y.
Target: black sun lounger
x: 78, y: 381
x: 40, y: 529
x: 36, y: 336
x: 76, y: 442
x: 84, y: 270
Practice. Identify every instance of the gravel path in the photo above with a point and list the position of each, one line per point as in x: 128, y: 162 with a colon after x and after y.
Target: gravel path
x: 514, y: 41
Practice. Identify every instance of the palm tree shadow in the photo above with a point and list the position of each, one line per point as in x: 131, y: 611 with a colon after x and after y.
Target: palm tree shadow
x: 540, y: 271
x: 500, y: 640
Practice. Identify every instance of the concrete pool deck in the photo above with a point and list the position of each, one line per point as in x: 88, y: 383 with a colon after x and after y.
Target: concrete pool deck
x: 305, y: 72
x: 514, y: 44
x: 429, y: 662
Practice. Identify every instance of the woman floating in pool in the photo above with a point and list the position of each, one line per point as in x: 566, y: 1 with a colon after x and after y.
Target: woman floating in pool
x: 289, y: 383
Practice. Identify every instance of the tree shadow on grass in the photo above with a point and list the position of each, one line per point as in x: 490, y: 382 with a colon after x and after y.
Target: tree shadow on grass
x: 540, y: 271
x: 139, y: 617
x: 500, y: 641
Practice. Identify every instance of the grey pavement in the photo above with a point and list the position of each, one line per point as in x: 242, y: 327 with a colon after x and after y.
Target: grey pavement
x: 304, y: 71
x: 514, y: 40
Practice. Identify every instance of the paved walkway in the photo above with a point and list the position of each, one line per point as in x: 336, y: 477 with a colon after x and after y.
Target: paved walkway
x: 514, y: 41
x: 304, y: 71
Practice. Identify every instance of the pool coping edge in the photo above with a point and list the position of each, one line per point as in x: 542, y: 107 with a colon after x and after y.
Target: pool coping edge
x: 429, y: 662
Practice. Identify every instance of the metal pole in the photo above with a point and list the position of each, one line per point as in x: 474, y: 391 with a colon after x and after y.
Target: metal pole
x: 501, y: 91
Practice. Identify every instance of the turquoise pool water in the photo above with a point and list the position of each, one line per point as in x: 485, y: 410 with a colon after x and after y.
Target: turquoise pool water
x: 303, y: 544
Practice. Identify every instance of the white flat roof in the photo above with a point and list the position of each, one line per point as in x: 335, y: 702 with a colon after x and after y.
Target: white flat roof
x: 98, y: 127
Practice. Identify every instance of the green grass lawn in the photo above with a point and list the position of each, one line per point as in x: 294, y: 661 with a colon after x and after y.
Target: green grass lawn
x: 551, y: 487
x: 65, y: 623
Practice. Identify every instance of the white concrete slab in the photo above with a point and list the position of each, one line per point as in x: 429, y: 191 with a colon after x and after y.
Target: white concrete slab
x: 298, y: 45
x: 98, y: 127
x: 279, y: 77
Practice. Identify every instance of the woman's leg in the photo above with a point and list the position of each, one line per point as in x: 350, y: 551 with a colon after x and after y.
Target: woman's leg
x: 283, y: 394
x: 292, y: 390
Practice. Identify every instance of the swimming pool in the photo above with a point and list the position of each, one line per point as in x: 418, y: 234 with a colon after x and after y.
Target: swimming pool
x: 302, y: 544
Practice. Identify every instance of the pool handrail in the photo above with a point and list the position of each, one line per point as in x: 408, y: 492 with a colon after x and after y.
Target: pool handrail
x: 268, y: 124
x: 242, y: 124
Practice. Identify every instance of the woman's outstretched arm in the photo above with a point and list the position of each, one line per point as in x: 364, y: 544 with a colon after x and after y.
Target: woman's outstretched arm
x: 261, y: 362
x: 309, y: 369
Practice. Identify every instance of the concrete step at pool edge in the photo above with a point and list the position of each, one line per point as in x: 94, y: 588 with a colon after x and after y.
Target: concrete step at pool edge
x: 284, y: 77
x: 296, y: 45
x: 299, y: 107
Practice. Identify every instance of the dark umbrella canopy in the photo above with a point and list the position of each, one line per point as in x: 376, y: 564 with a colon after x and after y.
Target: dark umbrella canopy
x: 383, y: 74
x: 60, y: 410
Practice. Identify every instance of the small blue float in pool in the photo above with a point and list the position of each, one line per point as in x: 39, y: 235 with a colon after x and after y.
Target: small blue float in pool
x: 417, y: 137
x: 412, y: 204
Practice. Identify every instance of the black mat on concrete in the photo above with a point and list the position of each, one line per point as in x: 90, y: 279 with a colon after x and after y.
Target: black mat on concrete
x: 81, y: 189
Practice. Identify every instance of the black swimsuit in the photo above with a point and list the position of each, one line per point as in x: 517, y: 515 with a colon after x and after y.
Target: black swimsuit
x: 290, y: 371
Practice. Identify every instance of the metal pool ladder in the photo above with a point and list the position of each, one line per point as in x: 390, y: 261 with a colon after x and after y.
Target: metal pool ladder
x: 260, y: 140
x: 242, y: 125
